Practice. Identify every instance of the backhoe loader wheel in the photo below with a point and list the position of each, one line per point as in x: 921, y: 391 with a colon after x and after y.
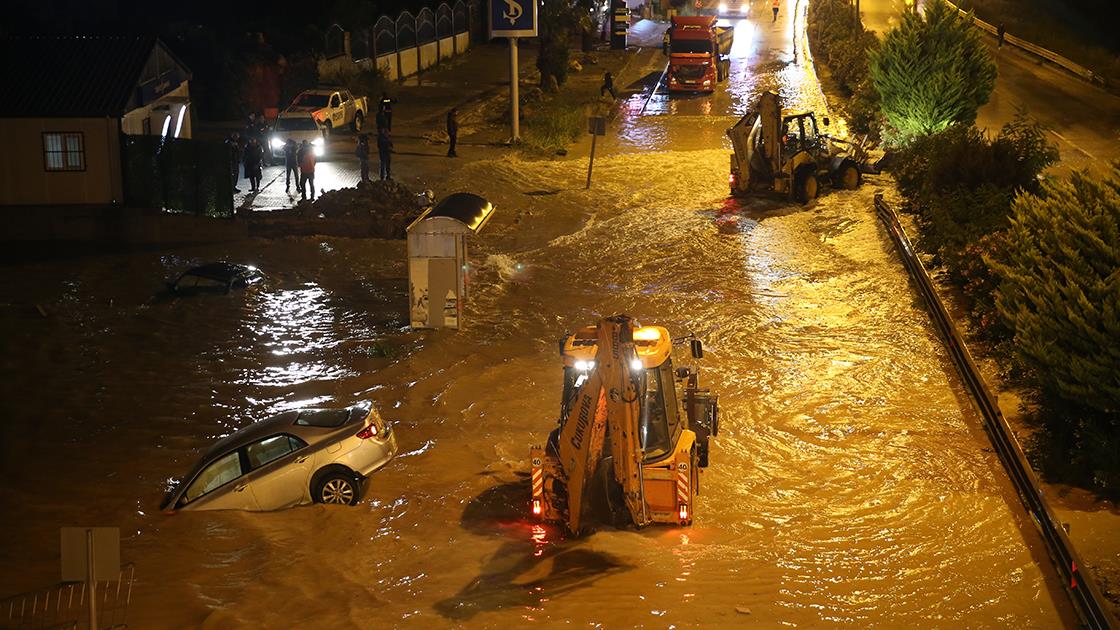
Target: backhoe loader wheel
x: 805, y: 185
x: 847, y: 177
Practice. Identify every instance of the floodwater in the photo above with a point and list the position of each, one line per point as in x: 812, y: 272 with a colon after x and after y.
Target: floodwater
x: 850, y: 485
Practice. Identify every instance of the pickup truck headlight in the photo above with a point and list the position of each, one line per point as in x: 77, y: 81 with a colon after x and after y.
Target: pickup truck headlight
x: 276, y: 143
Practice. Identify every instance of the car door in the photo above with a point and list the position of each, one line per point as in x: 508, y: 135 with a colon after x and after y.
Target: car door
x: 279, y: 471
x: 337, y: 114
x: 221, y: 486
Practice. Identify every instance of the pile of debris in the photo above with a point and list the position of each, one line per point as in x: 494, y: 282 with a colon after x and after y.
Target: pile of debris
x: 379, y: 209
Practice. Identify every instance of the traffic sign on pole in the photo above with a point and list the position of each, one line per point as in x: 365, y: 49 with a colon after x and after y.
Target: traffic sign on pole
x: 513, y: 19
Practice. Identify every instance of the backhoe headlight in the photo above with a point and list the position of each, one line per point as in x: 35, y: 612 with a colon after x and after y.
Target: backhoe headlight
x: 635, y: 364
x: 276, y: 143
x: 584, y: 366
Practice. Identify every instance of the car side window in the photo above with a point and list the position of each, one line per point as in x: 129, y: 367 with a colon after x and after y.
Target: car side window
x: 215, y: 476
x: 334, y: 101
x: 271, y: 449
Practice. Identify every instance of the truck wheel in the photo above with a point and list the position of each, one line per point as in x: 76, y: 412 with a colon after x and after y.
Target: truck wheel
x: 328, y: 129
x: 848, y: 177
x: 805, y: 186
x: 359, y: 120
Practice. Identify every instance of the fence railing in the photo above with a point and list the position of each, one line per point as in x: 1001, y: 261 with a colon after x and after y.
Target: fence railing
x: 405, y: 45
x: 1080, y: 587
x: 65, y: 606
x: 1037, y: 50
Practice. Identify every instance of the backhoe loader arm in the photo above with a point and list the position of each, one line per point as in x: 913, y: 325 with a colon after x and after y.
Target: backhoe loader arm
x: 609, y: 400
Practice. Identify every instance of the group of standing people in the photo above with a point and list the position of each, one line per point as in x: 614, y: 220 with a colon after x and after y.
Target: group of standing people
x: 299, y: 158
x: 248, y: 155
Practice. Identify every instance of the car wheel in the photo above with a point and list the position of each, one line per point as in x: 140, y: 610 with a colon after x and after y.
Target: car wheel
x: 328, y: 129
x: 359, y: 120
x: 337, y: 488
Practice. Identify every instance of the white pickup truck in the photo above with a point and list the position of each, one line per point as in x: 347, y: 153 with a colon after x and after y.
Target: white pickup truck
x: 332, y: 108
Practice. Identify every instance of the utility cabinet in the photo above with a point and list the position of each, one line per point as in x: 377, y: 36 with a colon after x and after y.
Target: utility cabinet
x: 437, y: 259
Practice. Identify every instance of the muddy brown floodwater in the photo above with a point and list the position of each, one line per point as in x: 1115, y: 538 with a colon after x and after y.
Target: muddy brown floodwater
x: 850, y: 485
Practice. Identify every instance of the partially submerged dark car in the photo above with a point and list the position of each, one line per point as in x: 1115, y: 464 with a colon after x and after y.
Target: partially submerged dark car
x: 219, y: 277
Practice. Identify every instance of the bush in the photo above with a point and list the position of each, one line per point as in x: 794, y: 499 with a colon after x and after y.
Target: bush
x: 1060, y: 289
x: 961, y: 184
x: 932, y: 71
x: 844, y: 46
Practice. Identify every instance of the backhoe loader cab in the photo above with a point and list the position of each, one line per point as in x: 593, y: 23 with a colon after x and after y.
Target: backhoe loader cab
x: 624, y: 406
x: 790, y: 154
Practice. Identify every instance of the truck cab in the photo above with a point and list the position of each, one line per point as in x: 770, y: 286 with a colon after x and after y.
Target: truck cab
x: 698, y: 48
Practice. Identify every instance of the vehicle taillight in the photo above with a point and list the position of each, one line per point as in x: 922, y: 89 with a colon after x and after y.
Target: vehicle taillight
x: 536, y: 507
x: 684, y: 512
x: 365, y: 433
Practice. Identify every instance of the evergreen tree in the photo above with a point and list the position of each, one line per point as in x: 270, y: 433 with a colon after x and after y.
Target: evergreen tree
x: 1060, y: 289
x: 932, y: 71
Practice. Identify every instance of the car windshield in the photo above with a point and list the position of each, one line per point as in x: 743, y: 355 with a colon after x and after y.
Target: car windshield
x: 692, y: 46
x: 312, y: 100
x: 690, y: 72
x: 302, y: 123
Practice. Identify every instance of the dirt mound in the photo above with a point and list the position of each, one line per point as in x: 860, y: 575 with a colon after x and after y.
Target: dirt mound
x: 381, y: 209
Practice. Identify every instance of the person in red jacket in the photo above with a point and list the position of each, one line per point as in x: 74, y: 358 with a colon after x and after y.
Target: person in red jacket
x: 306, y: 169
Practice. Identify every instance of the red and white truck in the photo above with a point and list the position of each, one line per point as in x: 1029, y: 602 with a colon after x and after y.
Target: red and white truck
x: 699, y: 50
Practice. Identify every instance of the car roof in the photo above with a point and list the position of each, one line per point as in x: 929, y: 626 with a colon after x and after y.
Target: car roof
x: 283, y: 423
x: 296, y: 113
x: 223, y: 271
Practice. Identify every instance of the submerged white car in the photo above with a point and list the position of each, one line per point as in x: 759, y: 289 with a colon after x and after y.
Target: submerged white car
x: 320, y: 455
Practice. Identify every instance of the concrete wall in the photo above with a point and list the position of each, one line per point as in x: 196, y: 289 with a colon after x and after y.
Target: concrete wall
x: 388, y: 65
x: 25, y: 181
x: 446, y: 48
x: 429, y: 55
x: 410, y: 61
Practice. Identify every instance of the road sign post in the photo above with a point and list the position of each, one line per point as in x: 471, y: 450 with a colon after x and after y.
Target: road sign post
x: 91, y: 554
x: 596, y: 126
x: 513, y: 19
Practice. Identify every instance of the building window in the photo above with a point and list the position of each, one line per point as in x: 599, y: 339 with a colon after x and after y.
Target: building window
x: 64, y: 151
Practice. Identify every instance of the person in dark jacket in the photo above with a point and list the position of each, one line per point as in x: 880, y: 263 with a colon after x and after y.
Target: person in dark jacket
x: 1001, y: 32
x: 385, y: 153
x: 363, y: 155
x: 291, y: 165
x: 252, y: 160
x: 235, y: 153
x: 452, y: 132
x: 608, y: 86
x: 385, y: 112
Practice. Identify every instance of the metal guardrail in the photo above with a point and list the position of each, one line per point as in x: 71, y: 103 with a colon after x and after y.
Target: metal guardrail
x: 1080, y: 587
x: 64, y: 607
x: 1034, y: 49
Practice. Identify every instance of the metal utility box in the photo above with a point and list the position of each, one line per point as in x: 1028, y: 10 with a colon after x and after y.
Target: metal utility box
x: 437, y: 259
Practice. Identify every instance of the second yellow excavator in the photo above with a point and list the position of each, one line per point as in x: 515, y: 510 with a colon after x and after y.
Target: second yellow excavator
x: 620, y: 409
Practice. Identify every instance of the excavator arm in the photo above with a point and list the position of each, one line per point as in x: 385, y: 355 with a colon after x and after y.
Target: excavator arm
x: 609, y: 400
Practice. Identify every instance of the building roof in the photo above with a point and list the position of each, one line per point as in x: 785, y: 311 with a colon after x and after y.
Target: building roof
x: 51, y: 76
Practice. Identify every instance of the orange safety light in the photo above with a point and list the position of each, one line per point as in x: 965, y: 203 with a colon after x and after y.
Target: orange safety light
x: 537, y: 507
x: 684, y: 512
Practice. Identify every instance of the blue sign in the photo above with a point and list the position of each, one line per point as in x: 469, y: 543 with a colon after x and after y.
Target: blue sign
x: 513, y: 18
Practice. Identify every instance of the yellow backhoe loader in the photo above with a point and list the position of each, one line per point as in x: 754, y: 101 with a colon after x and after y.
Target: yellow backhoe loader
x: 620, y: 411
